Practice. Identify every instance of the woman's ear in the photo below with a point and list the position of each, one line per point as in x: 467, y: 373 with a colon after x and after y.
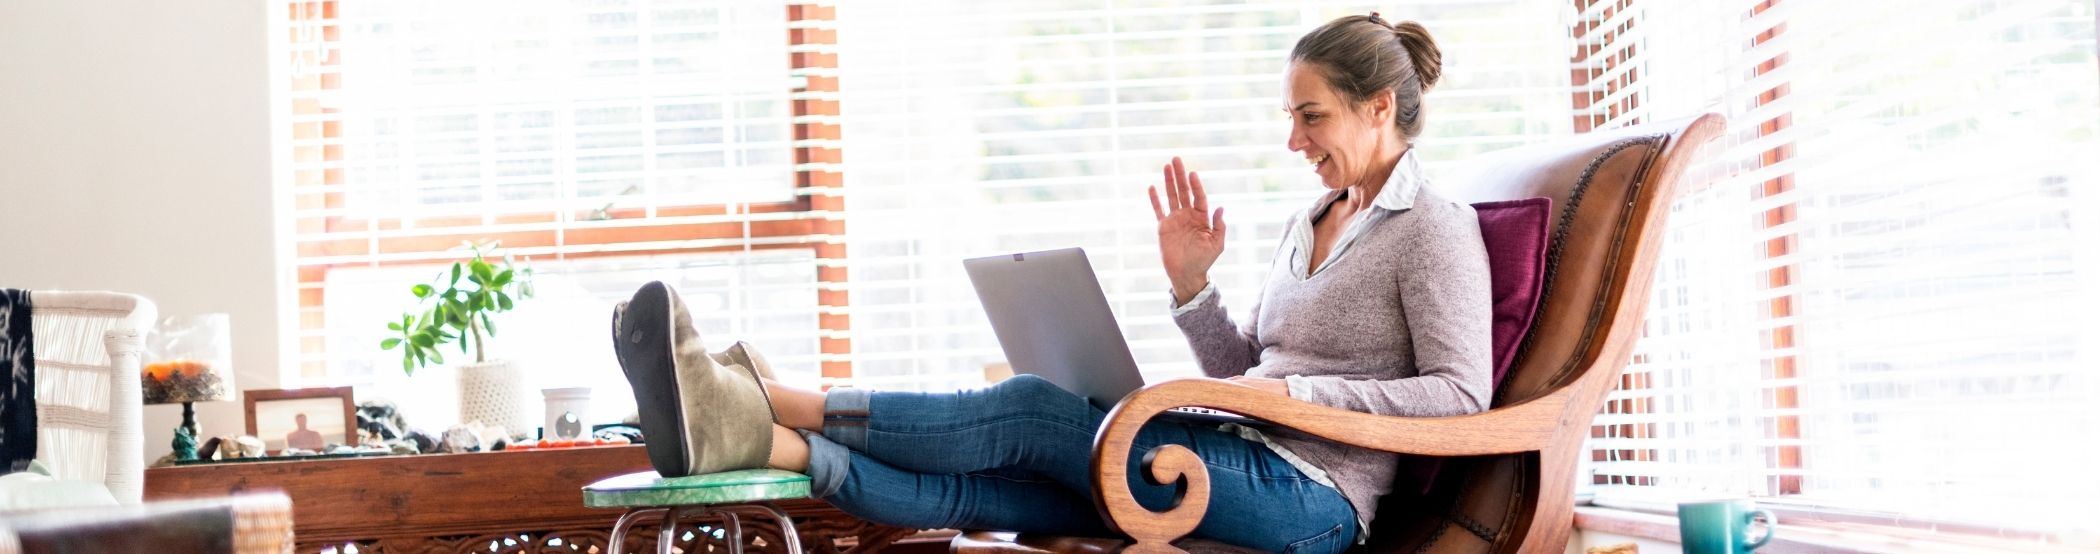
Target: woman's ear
x: 1380, y: 107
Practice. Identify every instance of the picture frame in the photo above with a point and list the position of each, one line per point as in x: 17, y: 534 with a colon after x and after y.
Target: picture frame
x: 308, y: 418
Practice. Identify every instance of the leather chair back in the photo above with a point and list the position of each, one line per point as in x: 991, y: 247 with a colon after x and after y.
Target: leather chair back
x: 1611, y: 191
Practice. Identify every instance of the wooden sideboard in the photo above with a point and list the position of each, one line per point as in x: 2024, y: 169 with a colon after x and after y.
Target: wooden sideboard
x: 529, y: 501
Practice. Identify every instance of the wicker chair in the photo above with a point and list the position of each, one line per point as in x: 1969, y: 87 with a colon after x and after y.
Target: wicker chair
x: 1507, y: 483
x: 88, y: 396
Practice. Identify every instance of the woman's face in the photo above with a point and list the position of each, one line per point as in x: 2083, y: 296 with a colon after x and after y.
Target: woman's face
x: 1338, y: 138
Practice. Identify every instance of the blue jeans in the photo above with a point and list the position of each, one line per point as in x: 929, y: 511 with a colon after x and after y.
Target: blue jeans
x: 1016, y: 456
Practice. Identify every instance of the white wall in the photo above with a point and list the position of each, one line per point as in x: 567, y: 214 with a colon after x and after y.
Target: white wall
x: 135, y: 156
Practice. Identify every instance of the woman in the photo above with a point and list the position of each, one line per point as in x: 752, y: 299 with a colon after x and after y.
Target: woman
x: 1377, y: 301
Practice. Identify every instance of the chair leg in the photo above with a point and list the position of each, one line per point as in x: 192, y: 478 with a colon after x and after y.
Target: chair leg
x: 618, y: 538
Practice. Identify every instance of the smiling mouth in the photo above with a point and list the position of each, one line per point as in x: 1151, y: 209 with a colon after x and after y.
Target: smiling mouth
x: 1317, y: 162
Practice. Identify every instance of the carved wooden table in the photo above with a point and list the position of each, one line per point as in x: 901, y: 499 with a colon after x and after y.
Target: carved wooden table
x: 529, y: 501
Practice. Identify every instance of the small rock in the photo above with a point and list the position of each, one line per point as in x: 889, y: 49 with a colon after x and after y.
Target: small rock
x: 459, y: 439
x: 381, y: 418
x: 425, y: 442
x: 494, y: 437
x: 210, y: 448
x: 250, y: 447
x: 229, y: 448
x: 404, y: 447
x: 632, y: 434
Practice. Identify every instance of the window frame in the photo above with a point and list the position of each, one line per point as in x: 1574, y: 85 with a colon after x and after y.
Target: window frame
x: 813, y: 219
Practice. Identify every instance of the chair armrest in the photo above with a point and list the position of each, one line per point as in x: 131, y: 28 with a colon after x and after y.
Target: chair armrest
x: 1525, y: 427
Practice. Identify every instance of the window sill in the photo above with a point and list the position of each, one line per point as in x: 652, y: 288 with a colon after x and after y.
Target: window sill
x: 1814, y: 535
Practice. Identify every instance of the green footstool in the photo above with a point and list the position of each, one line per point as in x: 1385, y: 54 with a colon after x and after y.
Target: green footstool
x: 716, y: 495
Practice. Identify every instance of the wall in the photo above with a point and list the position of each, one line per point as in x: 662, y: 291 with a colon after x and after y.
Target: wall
x: 135, y: 156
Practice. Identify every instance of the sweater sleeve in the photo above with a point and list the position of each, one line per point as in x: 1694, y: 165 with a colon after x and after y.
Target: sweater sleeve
x: 1445, y: 304
x: 1222, y: 348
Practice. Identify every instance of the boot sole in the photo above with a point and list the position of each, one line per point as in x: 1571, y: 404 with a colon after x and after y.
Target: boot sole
x: 644, y: 348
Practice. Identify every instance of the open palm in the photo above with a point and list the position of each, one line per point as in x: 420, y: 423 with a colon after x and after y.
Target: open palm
x: 1191, y: 236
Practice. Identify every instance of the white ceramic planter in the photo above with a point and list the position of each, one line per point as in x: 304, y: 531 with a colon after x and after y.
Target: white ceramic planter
x: 494, y: 393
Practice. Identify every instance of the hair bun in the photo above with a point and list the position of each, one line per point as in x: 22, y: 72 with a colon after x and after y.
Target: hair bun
x: 1422, y: 51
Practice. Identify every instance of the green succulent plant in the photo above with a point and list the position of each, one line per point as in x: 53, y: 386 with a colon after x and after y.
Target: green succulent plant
x: 448, y: 310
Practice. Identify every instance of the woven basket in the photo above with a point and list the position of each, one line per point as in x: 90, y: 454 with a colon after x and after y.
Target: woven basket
x: 495, y: 393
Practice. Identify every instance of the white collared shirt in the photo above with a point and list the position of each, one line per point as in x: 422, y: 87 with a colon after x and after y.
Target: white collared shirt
x: 1398, y: 195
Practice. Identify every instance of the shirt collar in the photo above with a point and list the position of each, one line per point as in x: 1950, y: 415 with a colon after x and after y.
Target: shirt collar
x: 1398, y: 194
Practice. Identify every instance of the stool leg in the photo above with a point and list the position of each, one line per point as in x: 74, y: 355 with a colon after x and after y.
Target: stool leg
x: 733, y: 531
x: 669, y: 531
x: 792, y: 540
x: 618, y: 537
x: 788, y: 536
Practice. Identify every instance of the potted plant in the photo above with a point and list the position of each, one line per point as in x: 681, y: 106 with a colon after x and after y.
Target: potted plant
x: 457, y: 306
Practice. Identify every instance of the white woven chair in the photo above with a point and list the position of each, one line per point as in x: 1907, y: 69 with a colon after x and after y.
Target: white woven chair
x: 87, y: 387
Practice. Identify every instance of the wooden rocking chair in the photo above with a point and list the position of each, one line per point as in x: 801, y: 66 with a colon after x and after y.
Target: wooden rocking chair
x: 1507, y: 480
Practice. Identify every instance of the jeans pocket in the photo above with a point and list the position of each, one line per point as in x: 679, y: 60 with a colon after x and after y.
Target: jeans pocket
x: 1330, y: 541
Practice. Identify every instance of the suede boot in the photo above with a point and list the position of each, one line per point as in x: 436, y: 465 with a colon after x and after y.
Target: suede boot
x: 743, y: 354
x: 697, y: 416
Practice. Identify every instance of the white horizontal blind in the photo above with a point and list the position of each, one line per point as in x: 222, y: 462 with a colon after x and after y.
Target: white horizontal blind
x: 606, y: 142
x: 509, y: 107
x: 1947, y: 361
x: 1932, y: 262
x: 977, y: 128
x: 1689, y: 411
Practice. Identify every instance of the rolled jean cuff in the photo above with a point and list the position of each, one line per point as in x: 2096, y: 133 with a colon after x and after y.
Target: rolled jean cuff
x: 846, y: 417
x: 828, y: 464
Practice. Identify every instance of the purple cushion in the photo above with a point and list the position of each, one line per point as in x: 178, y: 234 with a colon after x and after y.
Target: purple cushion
x: 1515, y: 232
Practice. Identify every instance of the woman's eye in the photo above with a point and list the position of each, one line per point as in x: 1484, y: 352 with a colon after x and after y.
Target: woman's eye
x: 1311, y: 117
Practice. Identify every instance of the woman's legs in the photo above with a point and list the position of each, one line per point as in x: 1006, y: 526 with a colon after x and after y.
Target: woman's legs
x: 796, y: 408
x: 909, y: 458
x: 789, y: 451
x: 866, y: 487
x: 1024, y: 423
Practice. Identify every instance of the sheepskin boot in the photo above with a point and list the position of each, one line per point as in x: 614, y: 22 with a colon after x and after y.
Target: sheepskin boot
x: 743, y: 354
x: 698, y: 416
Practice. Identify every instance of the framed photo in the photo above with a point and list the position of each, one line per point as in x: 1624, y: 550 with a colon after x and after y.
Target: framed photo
x: 309, y: 419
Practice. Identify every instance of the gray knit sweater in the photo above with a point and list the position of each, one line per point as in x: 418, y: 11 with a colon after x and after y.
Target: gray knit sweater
x: 1395, y: 322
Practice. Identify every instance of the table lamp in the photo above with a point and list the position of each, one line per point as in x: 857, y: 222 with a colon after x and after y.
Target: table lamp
x: 191, y: 361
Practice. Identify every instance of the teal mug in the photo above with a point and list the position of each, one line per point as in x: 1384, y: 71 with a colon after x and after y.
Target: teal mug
x: 1722, y: 526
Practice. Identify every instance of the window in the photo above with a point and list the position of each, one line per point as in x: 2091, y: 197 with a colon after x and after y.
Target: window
x: 1868, y: 296
x: 978, y: 128
x: 603, y: 142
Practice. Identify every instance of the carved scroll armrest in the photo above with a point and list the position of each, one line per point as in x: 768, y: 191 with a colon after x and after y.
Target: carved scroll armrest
x: 1524, y: 427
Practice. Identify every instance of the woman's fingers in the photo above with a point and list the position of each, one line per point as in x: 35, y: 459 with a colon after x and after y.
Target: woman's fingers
x: 1198, y: 200
x: 1181, y: 185
x: 1157, y: 214
x: 1166, y: 173
x: 1217, y: 225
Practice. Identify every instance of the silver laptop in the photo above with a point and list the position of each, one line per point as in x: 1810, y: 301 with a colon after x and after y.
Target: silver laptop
x: 1053, y: 321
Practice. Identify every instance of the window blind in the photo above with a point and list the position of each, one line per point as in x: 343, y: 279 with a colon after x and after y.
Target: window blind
x: 1870, y: 297
x: 604, y: 143
x: 984, y: 128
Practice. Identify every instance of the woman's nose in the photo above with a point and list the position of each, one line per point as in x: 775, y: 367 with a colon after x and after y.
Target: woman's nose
x: 1297, y: 141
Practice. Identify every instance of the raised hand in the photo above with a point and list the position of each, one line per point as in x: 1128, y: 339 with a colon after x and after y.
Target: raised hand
x: 1191, y: 236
